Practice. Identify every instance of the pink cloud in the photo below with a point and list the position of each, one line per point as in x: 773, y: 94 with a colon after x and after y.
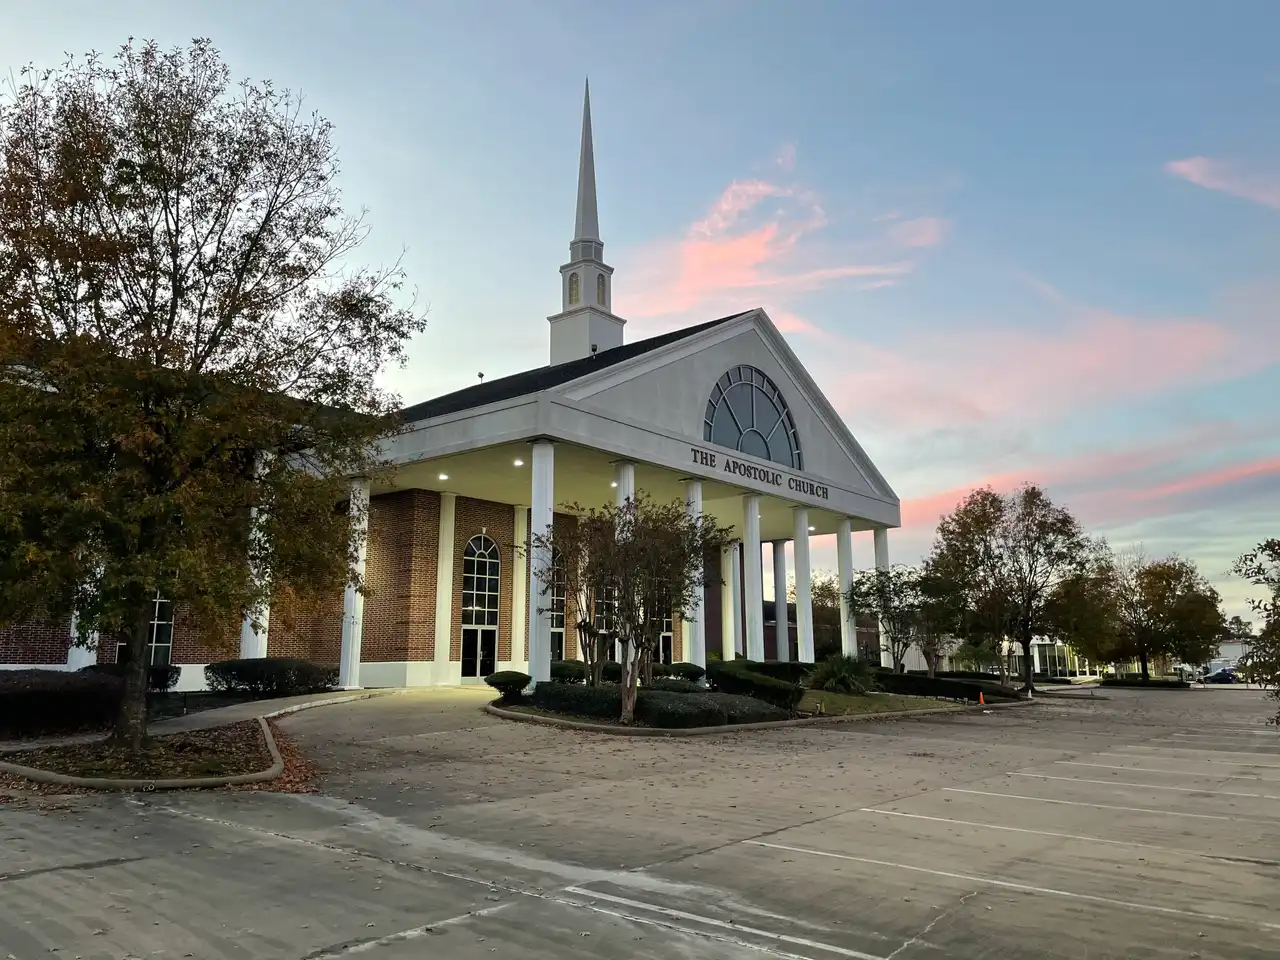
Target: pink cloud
x: 920, y: 232
x: 1222, y: 176
x: 746, y: 251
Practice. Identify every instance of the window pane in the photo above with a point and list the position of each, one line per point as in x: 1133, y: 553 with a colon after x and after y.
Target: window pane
x: 162, y: 633
x: 164, y: 610
x: 160, y: 655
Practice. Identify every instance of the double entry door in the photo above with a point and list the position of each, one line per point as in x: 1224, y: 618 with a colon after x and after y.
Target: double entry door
x: 479, y: 652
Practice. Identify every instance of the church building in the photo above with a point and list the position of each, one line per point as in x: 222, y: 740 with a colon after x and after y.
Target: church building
x: 721, y: 415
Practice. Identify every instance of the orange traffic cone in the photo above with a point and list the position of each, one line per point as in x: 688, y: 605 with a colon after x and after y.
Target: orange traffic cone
x: 981, y: 702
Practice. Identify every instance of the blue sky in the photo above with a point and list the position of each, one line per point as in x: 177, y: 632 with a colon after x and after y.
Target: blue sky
x: 1011, y: 240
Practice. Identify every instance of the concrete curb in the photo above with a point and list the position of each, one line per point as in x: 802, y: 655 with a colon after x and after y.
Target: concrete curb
x: 173, y: 783
x: 618, y: 731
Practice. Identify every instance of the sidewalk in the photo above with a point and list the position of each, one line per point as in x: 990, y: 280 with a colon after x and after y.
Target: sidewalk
x: 217, y: 717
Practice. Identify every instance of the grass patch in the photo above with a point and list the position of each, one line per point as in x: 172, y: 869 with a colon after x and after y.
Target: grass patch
x: 846, y: 704
x: 221, y: 752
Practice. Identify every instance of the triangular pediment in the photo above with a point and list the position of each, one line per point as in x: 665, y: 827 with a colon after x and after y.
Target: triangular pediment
x: 670, y: 388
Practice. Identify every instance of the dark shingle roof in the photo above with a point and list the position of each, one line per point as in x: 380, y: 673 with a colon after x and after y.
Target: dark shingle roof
x: 544, y: 378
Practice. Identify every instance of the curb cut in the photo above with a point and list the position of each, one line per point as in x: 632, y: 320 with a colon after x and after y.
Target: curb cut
x: 172, y: 783
x: 619, y: 731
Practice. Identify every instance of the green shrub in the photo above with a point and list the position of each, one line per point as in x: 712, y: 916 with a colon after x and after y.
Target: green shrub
x: 740, y: 677
x: 960, y: 675
x: 270, y: 676
x: 159, y: 679
x: 1160, y: 682
x: 45, y: 702
x: 611, y: 672
x: 843, y: 674
x: 675, y: 685
x: 672, y: 711
x: 914, y: 685
x: 679, y: 671
x: 603, y: 702
x: 792, y: 671
x: 568, y: 671
x: 510, y: 683
x: 748, y: 709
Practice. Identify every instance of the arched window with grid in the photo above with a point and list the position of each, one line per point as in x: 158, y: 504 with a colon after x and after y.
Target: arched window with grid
x: 746, y: 412
x: 481, y: 576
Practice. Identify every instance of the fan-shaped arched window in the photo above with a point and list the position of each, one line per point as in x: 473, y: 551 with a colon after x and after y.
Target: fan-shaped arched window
x: 746, y: 413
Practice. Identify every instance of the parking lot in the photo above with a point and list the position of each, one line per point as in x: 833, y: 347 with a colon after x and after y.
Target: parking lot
x: 1143, y: 825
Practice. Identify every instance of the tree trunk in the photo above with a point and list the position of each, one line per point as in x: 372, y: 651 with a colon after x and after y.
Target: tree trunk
x: 590, y: 658
x: 131, y: 722
x: 630, y: 674
x: 1142, y: 662
x: 931, y: 664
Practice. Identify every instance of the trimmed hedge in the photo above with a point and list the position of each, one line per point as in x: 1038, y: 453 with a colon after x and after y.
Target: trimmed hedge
x: 741, y: 677
x: 675, y: 685
x: 611, y: 672
x: 270, y: 676
x: 45, y: 702
x: 654, y: 708
x: 568, y: 671
x: 159, y: 679
x: 510, y: 683
x: 1158, y: 682
x: 789, y: 671
x: 915, y: 685
x: 679, y: 671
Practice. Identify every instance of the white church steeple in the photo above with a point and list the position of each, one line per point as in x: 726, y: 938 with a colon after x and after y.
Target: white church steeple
x: 585, y: 323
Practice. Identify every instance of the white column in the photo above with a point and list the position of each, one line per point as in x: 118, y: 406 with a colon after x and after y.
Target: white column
x: 782, y: 622
x: 353, y: 600
x: 804, y: 586
x: 541, y: 515
x: 880, y: 539
x: 445, y: 550
x: 728, y: 591
x: 692, y: 625
x: 753, y: 576
x: 739, y: 641
x: 844, y: 563
x: 624, y: 477
x: 520, y: 587
x: 80, y: 656
x: 253, y: 640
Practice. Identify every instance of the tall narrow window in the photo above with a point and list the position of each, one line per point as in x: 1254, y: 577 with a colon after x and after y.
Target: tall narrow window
x: 159, y: 638
x: 666, y: 641
x: 575, y: 288
x: 600, y: 289
x: 480, y: 568
x: 605, y: 617
x: 557, y: 606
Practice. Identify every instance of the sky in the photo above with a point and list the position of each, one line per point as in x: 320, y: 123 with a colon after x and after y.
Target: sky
x: 1011, y: 241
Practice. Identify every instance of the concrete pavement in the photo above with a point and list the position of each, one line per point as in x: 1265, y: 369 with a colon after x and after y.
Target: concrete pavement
x: 1146, y: 825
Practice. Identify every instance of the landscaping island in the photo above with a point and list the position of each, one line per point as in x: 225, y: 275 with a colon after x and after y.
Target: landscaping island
x: 683, y: 696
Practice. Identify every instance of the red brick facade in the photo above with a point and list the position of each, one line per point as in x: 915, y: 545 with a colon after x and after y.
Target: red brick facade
x: 42, y: 642
x: 497, y: 521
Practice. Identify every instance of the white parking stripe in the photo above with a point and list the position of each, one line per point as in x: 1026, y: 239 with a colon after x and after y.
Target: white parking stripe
x: 1024, y: 887
x: 1148, y: 786
x: 1159, y: 756
x: 1188, y: 745
x: 1048, y: 833
x: 1111, y: 806
x: 720, y: 924
x: 1180, y: 773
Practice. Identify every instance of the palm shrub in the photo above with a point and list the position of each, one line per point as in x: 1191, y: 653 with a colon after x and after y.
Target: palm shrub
x: 843, y: 674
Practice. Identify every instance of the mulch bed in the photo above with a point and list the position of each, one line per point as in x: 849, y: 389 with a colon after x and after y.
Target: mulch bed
x: 220, y: 752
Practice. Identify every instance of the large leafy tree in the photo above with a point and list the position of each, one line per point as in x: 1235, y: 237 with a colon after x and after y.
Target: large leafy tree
x: 185, y: 345
x: 1261, y: 566
x: 647, y: 560
x: 1082, y: 610
x: 1165, y: 608
x: 1007, y: 553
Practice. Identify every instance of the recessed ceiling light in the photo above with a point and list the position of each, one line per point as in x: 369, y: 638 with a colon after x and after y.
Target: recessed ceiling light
x: 519, y: 462
x: 443, y: 476
x: 614, y: 484
x: 811, y: 529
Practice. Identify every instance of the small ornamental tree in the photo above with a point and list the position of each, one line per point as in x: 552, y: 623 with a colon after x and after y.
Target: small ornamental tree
x: 188, y: 356
x: 1082, y: 611
x: 939, y: 617
x: 893, y: 598
x: 574, y: 543
x: 647, y: 561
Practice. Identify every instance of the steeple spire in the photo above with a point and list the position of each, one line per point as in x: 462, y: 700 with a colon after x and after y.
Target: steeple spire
x: 587, y: 226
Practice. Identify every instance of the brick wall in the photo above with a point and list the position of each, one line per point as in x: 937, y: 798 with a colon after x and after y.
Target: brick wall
x: 38, y: 642
x: 310, y: 629
x: 400, y: 573
x: 497, y: 521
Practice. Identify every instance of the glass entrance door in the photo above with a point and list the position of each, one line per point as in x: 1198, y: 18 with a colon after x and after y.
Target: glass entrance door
x: 480, y: 592
x: 479, y: 652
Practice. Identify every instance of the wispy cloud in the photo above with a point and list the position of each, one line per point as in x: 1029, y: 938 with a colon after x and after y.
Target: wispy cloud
x: 1223, y: 176
x: 750, y: 249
